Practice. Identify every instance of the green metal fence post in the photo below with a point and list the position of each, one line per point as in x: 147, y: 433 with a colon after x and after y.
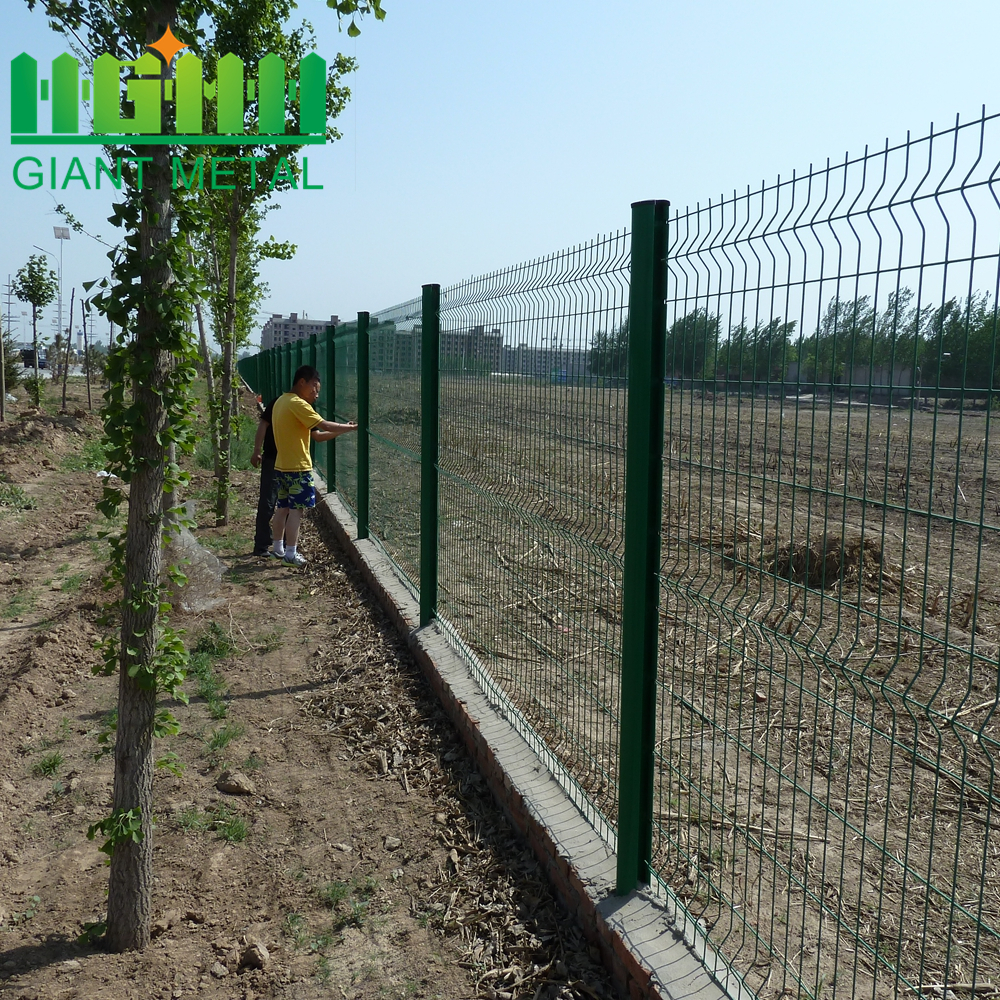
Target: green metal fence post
x: 429, y: 346
x: 643, y: 500
x: 331, y: 381
x: 312, y: 363
x: 362, y: 425
x: 299, y: 354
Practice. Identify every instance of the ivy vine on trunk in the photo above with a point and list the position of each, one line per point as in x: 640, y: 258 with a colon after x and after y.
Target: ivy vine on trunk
x: 148, y: 411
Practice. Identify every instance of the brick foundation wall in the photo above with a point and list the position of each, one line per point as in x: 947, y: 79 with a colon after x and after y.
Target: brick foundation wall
x: 638, y: 941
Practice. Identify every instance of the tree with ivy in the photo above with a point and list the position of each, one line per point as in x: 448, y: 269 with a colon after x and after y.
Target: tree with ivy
x: 148, y: 408
x: 36, y: 283
x: 229, y: 242
x: 236, y: 291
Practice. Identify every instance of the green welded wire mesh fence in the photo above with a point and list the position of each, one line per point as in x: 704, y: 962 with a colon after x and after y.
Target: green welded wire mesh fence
x: 531, y: 457
x: 823, y: 758
x: 827, y: 742
x: 342, y: 457
x: 394, y: 340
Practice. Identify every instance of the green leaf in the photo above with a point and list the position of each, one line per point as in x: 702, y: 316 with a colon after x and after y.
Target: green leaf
x: 172, y: 763
x: 353, y: 30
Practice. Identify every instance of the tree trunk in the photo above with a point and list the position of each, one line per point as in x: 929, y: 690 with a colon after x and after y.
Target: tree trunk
x: 69, y: 345
x: 130, y: 885
x: 86, y: 360
x: 34, y: 341
x: 226, y: 391
x: 213, y: 410
x: 206, y: 357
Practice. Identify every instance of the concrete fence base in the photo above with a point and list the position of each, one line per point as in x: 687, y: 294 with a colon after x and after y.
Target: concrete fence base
x: 641, y: 945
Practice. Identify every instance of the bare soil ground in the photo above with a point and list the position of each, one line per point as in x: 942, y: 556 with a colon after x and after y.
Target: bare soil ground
x: 368, y: 859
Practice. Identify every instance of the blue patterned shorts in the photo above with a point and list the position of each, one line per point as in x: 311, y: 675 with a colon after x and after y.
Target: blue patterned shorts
x: 295, y: 490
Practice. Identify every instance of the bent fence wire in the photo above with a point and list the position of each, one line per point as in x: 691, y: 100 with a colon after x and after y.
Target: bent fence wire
x: 830, y: 618
x: 825, y: 790
x: 531, y: 460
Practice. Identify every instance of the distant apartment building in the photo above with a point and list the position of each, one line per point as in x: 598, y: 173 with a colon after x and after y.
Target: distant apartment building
x: 541, y: 362
x: 473, y: 348
x: 476, y: 349
x: 280, y: 330
x: 391, y: 349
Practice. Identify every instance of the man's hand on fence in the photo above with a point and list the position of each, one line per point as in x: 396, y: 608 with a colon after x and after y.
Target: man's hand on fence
x: 328, y: 430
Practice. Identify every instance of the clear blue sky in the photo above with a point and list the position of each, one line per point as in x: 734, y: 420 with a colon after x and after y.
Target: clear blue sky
x: 484, y: 133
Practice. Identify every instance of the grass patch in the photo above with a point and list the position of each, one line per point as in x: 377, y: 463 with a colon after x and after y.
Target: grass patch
x: 252, y: 763
x: 229, y: 543
x: 213, y: 644
x: 231, y: 827
x: 28, y: 913
x: 90, y: 458
x: 334, y: 893
x: 73, y: 582
x: 228, y: 825
x: 241, y: 445
x: 13, y: 498
x: 19, y: 603
x: 48, y: 766
x: 304, y: 939
x: 349, y: 900
x: 192, y: 820
x: 296, y: 928
x: 224, y: 735
x: 62, y: 735
x: 105, y: 733
x: 209, y: 685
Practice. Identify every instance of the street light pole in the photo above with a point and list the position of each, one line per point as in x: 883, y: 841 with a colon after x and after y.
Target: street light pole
x: 61, y: 233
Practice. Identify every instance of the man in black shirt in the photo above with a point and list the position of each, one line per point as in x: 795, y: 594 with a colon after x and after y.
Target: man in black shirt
x: 264, y: 453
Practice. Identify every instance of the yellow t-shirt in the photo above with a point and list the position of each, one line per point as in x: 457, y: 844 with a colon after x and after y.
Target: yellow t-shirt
x: 291, y: 421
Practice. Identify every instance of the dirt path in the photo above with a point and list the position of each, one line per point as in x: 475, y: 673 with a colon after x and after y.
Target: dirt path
x: 367, y: 859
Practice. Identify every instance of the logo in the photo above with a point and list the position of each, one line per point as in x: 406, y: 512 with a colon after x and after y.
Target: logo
x: 63, y: 92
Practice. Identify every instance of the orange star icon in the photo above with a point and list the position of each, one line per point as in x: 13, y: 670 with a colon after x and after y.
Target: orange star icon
x: 167, y: 45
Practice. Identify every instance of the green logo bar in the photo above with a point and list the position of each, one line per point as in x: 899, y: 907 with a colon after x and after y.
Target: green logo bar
x: 188, y: 91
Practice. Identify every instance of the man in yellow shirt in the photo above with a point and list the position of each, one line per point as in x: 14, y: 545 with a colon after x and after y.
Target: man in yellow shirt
x: 293, y: 422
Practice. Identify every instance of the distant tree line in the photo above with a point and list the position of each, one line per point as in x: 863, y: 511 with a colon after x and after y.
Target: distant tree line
x: 952, y: 345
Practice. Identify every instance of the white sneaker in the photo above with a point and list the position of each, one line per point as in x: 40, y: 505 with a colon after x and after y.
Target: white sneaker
x: 295, y: 559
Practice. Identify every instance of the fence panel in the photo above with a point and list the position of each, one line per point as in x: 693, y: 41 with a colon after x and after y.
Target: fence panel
x: 345, y: 407
x: 394, y: 435
x: 825, y: 747
x: 531, y: 464
x: 827, y: 741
